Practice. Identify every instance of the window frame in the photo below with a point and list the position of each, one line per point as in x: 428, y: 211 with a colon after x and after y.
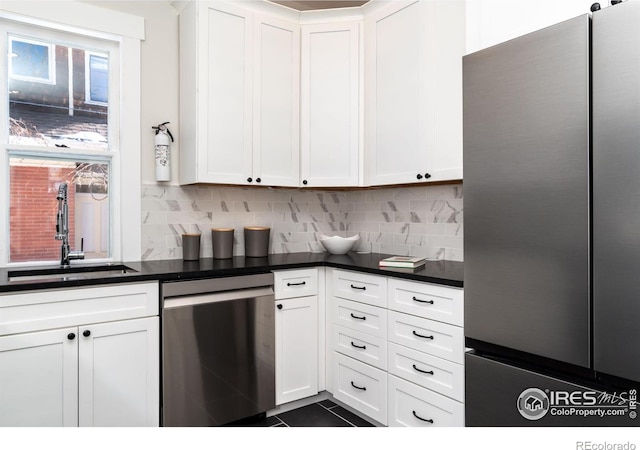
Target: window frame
x: 125, y: 32
x: 51, y: 52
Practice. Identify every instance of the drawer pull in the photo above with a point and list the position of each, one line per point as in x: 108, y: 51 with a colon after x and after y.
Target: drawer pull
x: 421, y: 336
x: 297, y: 284
x: 422, y: 301
x: 420, y: 418
x: 358, y: 317
x: 358, y: 387
x: 362, y: 288
x: 362, y: 347
x: 428, y: 372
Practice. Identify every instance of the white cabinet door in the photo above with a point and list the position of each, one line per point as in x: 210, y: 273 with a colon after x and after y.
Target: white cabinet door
x: 119, y: 373
x: 39, y: 379
x: 276, y: 102
x: 413, y: 78
x: 227, y: 81
x: 296, y: 348
x: 331, y: 104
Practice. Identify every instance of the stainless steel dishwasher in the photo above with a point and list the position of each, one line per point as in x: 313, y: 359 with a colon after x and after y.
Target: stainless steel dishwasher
x: 218, y: 350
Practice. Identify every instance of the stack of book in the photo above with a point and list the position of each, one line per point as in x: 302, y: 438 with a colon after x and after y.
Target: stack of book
x: 402, y: 262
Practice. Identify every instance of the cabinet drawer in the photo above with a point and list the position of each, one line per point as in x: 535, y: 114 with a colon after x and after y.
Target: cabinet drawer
x: 295, y: 283
x: 360, y: 287
x: 360, y: 317
x: 415, y: 406
x: 361, y: 346
x: 360, y: 386
x: 444, y: 304
x: 431, y: 372
x: 436, y: 338
x: 48, y: 309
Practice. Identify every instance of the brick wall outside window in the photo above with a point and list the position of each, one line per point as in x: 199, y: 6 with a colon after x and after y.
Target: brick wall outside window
x: 33, y: 208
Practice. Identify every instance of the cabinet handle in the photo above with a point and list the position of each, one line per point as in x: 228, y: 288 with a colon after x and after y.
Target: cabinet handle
x: 258, y: 180
x: 358, y: 387
x: 422, y: 301
x: 249, y: 179
x: 305, y: 182
x: 428, y: 372
x: 86, y: 333
x: 362, y: 288
x: 421, y: 336
x: 71, y: 336
x: 427, y: 176
x: 420, y: 418
x: 419, y: 177
x: 361, y: 347
x: 279, y: 306
x: 359, y: 318
x: 297, y: 284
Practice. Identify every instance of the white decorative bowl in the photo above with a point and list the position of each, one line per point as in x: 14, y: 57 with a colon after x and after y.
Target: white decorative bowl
x: 337, y: 245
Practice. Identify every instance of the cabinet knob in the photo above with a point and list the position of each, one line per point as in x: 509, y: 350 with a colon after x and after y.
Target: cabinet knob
x: 258, y: 180
x: 249, y: 179
x: 305, y: 182
x: 427, y: 176
x: 86, y: 333
x: 279, y: 306
x: 419, y: 177
x: 71, y: 336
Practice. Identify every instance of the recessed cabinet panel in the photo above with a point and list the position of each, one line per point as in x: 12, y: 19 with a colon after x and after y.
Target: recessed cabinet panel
x: 330, y: 127
x: 276, y: 114
x: 413, y: 79
x: 229, y: 79
x: 117, y: 387
x: 39, y: 379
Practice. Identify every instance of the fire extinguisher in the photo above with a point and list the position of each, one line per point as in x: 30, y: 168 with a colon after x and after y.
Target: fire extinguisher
x: 163, y: 156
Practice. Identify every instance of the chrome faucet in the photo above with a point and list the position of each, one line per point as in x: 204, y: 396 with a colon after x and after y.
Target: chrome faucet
x: 62, y: 229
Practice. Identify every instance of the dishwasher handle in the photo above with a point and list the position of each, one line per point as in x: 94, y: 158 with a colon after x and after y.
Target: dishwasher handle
x: 213, y: 297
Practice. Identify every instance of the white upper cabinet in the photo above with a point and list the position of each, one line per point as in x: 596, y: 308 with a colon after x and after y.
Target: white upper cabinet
x: 239, y: 96
x: 413, y: 85
x: 276, y: 102
x: 490, y: 22
x: 331, y: 99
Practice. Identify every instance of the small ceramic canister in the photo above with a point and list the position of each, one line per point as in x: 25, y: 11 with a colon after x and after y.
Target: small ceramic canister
x: 222, y: 240
x: 191, y: 247
x: 256, y: 241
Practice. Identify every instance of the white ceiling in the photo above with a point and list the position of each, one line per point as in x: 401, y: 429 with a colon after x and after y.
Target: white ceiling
x: 306, y: 5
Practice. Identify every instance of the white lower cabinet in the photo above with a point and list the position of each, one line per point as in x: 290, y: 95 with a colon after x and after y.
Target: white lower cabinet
x: 118, y: 378
x: 58, y: 369
x: 360, y: 386
x: 398, y: 351
x: 414, y: 406
x: 39, y: 379
x: 296, y: 344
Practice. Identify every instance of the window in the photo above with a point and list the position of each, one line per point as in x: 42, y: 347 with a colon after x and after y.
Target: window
x: 71, y: 128
x: 31, y: 61
x: 65, y: 111
x: 97, y: 78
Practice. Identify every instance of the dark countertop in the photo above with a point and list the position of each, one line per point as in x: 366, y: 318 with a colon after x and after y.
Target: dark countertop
x: 449, y: 273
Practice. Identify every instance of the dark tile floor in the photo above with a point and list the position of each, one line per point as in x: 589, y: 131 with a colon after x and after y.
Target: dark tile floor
x: 322, y: 414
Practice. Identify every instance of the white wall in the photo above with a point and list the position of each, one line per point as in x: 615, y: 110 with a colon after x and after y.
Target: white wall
x: 490, y: 22
x: 159, y: 77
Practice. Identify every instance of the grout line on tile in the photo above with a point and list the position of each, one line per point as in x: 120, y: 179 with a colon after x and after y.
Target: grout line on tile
x: 338, y: 415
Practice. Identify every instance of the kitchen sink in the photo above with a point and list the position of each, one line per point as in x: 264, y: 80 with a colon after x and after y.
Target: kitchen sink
x: 69, y: 273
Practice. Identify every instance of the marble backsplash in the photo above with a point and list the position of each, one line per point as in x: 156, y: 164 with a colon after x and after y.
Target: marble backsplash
x: 421, y: 221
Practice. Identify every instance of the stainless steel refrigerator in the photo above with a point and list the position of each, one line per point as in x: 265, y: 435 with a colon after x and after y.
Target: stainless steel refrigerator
x: 552, y: 225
